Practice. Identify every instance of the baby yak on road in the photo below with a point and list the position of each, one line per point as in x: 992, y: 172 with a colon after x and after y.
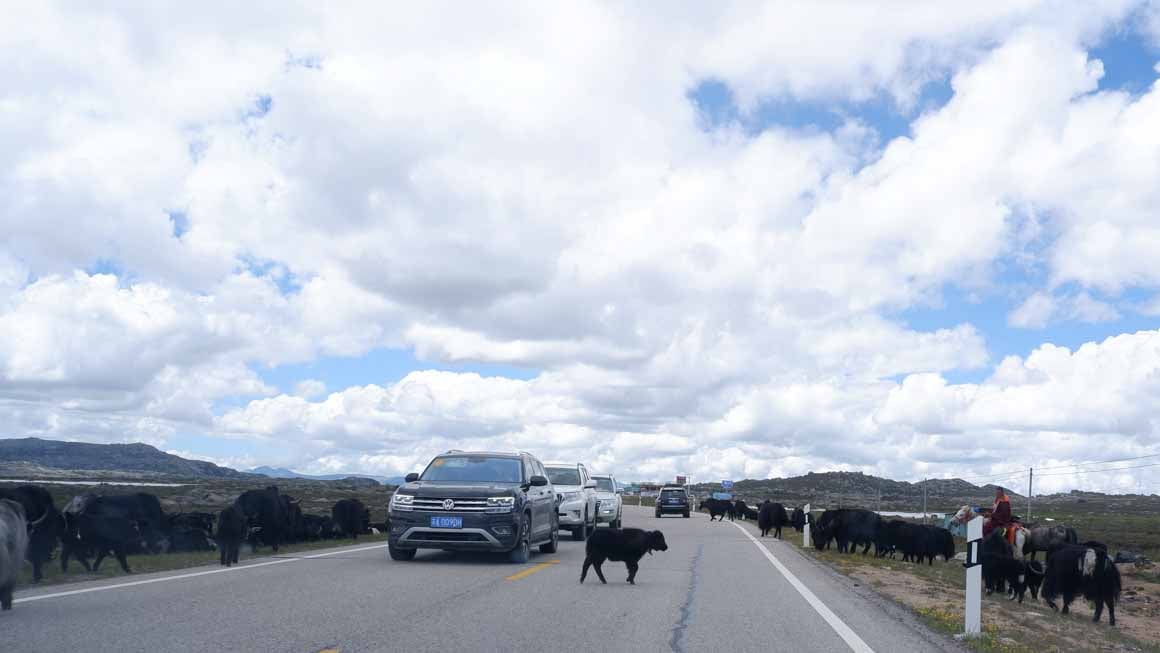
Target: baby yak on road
x: 627, y: 545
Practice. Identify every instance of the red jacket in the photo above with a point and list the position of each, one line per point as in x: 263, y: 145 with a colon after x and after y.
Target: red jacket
x: 1001, y: 514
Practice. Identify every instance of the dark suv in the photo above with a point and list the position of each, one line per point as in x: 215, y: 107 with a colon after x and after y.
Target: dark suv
x: 475, y: 501
x: 673, y: 499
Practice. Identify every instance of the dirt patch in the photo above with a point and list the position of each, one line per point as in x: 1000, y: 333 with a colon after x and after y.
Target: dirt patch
x: 1031, y: 626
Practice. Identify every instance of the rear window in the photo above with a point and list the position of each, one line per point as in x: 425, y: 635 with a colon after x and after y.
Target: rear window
x: 564, y: 475
x: 673, y: 494
x: 474, y: 469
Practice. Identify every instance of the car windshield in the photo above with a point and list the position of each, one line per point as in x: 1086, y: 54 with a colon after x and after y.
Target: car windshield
x: 673, y: 494
x: 564, y: 475
x: 604, y: 484
x: 473, y: 469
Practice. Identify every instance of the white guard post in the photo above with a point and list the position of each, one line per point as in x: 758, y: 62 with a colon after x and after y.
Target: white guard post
x: 974, y: 567
x: 806, y: 528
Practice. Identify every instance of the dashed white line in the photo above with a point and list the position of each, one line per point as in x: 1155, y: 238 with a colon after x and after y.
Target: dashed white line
x: 150, y: 581
x: 845, y: 632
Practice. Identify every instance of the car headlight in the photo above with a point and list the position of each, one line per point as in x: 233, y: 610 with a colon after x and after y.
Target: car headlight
x: 402, y: 502
x: 500, y: 504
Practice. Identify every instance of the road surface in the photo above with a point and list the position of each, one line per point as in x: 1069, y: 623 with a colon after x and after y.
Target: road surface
x: 716, y: 588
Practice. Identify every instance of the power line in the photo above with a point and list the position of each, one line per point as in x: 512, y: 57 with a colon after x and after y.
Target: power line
x: 1101, y: 462
x: 1109, y: 469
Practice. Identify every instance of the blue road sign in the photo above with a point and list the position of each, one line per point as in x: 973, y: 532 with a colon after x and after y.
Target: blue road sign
x: 726, y: 485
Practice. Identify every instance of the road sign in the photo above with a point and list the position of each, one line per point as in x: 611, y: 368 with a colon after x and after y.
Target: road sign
x: 726, y: 485
x: 681, y: 480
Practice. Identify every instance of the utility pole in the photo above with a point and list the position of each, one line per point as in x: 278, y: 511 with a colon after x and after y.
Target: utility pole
x: 1030, y: 477
x: 879, y: 495
x: 924, y: 500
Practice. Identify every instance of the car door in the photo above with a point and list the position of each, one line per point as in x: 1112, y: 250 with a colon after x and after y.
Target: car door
x: 533, y: 494
x: 589, y: 493
x: 545, y: 501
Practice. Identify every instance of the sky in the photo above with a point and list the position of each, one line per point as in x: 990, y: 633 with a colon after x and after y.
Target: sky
x: 726, y: 240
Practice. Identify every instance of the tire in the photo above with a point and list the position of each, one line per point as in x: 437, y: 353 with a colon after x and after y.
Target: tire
x: 401, y: 555
x: 686, y: 514
x: 553, y: 545
x: 658, y: 514
x: 580, y: 533
x: 523, y: 550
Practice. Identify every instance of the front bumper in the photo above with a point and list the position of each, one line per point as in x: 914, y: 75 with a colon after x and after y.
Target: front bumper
x: 480, y: 532
x: 571, y: 514
x: 607, y: 513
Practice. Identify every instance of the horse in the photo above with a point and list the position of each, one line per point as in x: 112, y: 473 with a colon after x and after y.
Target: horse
x: 1047, y: 538
x: 967, y: 513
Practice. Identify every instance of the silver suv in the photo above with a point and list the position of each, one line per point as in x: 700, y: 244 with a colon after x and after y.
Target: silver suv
x: 576, y: 493
x: 608, y: 494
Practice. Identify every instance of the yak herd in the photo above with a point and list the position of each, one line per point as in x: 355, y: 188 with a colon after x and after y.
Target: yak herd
x: 1072, y: 568
x: 92, y: 526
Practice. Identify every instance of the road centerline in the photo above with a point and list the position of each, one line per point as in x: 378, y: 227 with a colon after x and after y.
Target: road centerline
x: 533, y: 569
x: 845, y: 632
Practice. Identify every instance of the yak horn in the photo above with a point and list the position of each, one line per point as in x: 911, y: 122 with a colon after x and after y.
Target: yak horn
x: 37, y: 522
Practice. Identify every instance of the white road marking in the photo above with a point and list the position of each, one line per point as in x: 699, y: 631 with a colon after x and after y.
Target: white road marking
x: 845, y: 632
x: 150, y: 581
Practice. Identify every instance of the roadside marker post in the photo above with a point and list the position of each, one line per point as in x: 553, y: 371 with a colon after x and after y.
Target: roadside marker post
x: 806, y: 528
x: 974, y: 607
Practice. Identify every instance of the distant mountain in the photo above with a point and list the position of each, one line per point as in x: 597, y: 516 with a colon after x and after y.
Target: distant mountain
x: 282, y: 472
x: 855, y: 489
x: 22, y: 457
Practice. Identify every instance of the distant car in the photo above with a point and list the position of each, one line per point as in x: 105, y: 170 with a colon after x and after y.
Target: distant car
x: 608, y: 495
x: 673, y: 499
x: 576, y: 493
x: 475, y: 501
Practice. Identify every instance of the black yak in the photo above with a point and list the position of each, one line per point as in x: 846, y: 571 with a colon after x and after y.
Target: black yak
x: 851, y: 527
x: 771, y: 517
x: 740, y: 508
x: 798, y: 519
x: 627, y: 545
x: 718, y: 508
x: 13, y: 547
x: 1078, y: 569
x: 45, y: 524
x: 231, y: 531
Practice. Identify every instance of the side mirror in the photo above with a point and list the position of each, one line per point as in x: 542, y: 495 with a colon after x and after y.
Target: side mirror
x: 411, y: 478
x: 590, y: 485
x: 538, y: 481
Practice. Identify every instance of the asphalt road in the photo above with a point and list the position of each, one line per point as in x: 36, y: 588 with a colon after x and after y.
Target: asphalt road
x: 716, y: 588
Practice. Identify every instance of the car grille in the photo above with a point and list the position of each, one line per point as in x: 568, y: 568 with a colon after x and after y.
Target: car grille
x: 428, y: 536
x: 426, y: 504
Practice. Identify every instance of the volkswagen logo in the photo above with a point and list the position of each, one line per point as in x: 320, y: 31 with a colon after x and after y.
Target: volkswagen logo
x: 448, y: 504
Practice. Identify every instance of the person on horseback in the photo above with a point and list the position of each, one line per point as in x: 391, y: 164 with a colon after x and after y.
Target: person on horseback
x: 1000, y: 515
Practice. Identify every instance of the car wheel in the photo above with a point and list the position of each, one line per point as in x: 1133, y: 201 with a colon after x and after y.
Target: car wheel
x: 686, y: 513
x: 551, y: 546
x: 580, y: 533
x: 523, y: 550
x: 400, y: 554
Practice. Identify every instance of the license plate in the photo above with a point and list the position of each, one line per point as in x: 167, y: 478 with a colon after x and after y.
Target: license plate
x: 440, y: 521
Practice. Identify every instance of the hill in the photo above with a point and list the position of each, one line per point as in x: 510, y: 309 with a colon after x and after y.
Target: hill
x: 33, y: 457
x: 282, y: 472
x: 855, y: 489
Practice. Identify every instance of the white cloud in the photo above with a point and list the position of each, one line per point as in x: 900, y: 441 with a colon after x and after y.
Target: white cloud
x: 1041, y: 309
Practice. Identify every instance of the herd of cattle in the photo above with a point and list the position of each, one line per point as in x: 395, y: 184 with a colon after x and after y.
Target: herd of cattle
x: 94, y: 526
x: 1072, y: 569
